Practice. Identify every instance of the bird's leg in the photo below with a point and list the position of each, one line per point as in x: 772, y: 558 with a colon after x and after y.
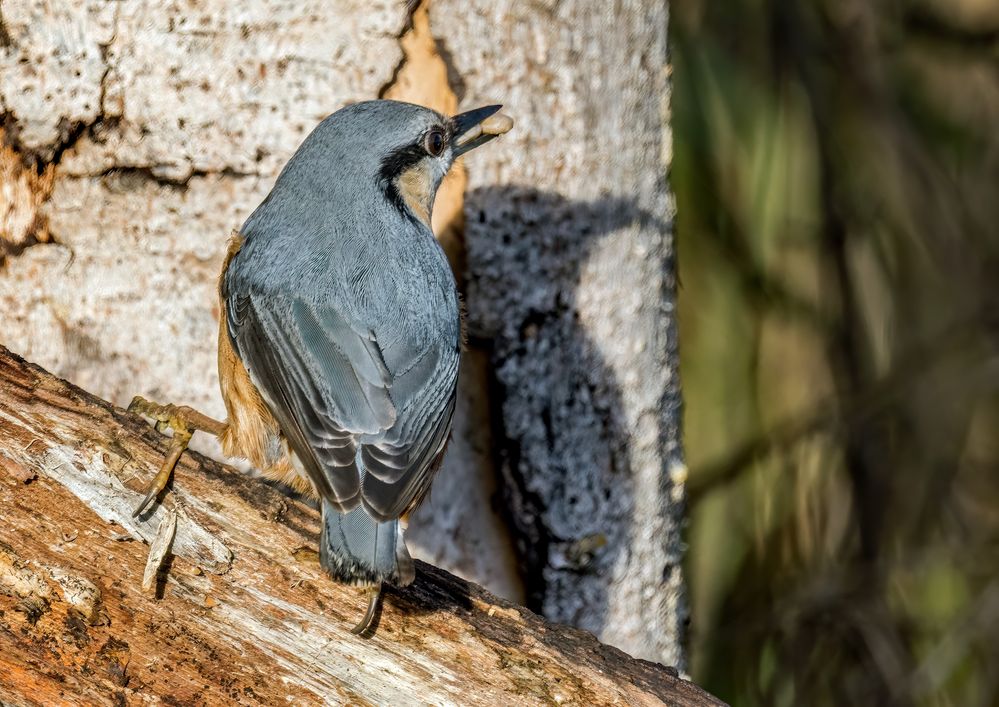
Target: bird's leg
x: 183, y: 421
x: 366, y: 622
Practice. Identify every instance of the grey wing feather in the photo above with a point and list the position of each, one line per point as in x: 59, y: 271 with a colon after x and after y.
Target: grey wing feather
x: 299, y: 374
x: 332, y: 392
x: 388, y: 496
x: 400, y: 466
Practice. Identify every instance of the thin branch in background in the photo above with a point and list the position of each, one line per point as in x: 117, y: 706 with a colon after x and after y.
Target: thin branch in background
x: 834, y: 414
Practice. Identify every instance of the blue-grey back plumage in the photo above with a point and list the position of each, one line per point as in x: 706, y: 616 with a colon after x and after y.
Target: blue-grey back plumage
x: 342, y: 307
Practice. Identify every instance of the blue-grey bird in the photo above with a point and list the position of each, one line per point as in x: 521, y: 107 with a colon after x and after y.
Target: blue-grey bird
x: 340, y: 332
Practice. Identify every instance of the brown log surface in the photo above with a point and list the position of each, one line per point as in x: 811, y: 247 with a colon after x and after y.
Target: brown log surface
x: 242, y: 613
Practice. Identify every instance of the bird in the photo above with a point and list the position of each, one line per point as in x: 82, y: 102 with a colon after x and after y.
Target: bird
x: 341, y: 331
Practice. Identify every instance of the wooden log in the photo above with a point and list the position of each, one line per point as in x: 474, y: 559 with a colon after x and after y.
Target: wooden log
x: 241, y: 611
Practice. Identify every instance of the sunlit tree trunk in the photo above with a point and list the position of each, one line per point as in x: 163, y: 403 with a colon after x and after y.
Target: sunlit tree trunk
x: 571, y: 287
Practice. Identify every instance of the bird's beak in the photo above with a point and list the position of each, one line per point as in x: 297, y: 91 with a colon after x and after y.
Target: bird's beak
x: 477, y: 127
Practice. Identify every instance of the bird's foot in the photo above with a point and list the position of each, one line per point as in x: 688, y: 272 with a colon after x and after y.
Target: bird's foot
x: 367, y: 622
x: 366, y: 626
x: 182, y: 420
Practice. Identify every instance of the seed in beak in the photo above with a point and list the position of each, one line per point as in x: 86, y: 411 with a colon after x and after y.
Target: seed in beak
x: 496, y: 124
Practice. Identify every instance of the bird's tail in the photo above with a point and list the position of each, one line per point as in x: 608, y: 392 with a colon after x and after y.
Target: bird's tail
x: 357, y: 549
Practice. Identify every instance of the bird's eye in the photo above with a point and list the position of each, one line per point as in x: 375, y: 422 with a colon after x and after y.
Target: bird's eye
x: 434, y: 142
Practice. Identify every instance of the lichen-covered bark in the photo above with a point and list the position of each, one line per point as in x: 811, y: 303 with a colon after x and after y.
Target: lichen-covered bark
x: 242, y: 612
x: 571, y: 279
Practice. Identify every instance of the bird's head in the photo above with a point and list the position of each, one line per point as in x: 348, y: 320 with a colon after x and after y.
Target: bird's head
x: 419, y: 150
x: 401, y: 149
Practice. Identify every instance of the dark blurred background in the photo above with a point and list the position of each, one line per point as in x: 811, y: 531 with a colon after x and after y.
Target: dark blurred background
x: 836, y: 169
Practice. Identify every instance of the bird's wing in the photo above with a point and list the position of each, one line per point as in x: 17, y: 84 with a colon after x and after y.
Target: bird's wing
x: 399, y: 466
x: 330, y: 389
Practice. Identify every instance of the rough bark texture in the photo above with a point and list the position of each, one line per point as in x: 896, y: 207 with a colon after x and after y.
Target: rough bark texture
x: 240, y: 612
x: 139, y: 134
x: 571, y: 280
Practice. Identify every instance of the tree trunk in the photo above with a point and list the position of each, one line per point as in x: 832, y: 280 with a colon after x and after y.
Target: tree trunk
x: 571, y: 285
x: 240, y: 610
x: 138, y: 135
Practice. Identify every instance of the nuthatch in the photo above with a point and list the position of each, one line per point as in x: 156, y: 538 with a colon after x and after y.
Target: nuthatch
x: 340, y: 332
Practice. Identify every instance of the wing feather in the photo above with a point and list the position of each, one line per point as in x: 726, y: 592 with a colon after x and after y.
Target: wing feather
x: 368, y: 427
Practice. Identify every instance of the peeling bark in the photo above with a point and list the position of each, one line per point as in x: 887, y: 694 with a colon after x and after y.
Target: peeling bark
x: 243, y: 612
x: 23, y: 189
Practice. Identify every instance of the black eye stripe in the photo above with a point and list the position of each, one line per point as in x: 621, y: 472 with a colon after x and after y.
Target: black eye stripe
x: 401, y: 159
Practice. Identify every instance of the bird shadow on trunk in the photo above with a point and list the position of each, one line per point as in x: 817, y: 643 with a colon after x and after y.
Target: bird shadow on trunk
x: 561, y: 432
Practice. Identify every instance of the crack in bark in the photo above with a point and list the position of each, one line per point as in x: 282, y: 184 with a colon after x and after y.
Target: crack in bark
x: 127, y: 175
x: 10, y: 250
x: 70, y: 135
x: 393, y: 80
x: 454, y: 78
x: 411, y: 7
x: 25, y: 189
x: 6, y: 41
x: 37, y: 185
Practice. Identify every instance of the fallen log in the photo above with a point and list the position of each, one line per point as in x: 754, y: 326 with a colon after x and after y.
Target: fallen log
x: 240, y: 611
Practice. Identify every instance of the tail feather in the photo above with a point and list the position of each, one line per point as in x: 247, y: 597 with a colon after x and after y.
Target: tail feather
x: 357, y: 549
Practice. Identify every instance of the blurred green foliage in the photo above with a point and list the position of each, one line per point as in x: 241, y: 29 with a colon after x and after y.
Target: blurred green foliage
x: 836, y: 169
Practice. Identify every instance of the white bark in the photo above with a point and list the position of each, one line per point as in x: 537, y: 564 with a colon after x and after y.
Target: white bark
x: 571, y: 277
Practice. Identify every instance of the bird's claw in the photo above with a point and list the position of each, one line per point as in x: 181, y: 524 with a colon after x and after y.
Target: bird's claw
x: 366, y: 624
x: 166, y: 417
